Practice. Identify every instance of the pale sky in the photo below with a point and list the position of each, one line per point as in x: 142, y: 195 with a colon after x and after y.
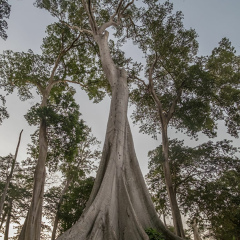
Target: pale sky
x: 212, y: 20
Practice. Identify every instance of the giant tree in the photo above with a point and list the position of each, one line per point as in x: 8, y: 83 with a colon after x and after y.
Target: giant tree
x: 119, y: 206
x: 53, y: 69
x: 181, y: 90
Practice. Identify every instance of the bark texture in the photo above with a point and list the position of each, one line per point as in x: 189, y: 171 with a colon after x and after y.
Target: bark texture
x: 120, y: 207
x: 177, y: 220
x: 32, y: 225
x: 164, y: 118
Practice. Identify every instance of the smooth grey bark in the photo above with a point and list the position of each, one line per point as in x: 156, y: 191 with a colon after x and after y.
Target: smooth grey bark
x: 177, y: 220
x: 164, y: 120
x: 9, y: 177
x: 120, y: 207
x: 8, y: 220
x: 32, y: 225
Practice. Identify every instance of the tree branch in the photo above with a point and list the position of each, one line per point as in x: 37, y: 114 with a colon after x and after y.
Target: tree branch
x: 139, y: 80
x: 111, y: 21
x: 78, y: 29
x: 118, y: 13
x: 125, y: 8
x: 153, y: 93
x: 174, y: 104
x: 88, y: 7
x: 62, y: 53
x: 70, y: 81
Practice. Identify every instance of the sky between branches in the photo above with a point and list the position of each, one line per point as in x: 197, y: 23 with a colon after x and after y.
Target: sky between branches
x: 212, y: 20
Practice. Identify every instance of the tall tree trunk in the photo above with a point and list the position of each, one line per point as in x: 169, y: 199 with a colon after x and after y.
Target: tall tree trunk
x: 32, y: 225
x: 3, y: 197
x: 195, y: 230
x: 120, y: 207
x: 55, y: 224
x: 177, y: 220
x: 3, y: 218
x: 8, y: 220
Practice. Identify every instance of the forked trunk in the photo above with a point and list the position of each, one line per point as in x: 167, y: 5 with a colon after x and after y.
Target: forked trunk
x: 176, y: 215
x: 120, y: 207
x: 32, y: 225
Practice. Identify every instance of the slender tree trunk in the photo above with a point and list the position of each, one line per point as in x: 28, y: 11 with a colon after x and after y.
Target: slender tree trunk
x: 32, y: 225
x: 8, y: 220
x: 3, y: 197
x: 58, y: 209
x: 195, y: 230
x: 120, y: 207
x: 3, y: 218
x: 164, y: 220
x: 177, y: 220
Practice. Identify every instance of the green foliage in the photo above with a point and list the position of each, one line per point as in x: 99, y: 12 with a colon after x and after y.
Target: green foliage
x: 3, y: 110
x: 58, y: 63
x: 194, y: 92
x: 19, y: 191
x: 201, y: 179
x: 65, y: 128
x: 154, y: 234
x: 223, y: 65
x: 220, y: 202
x: 5, y: 9
x: 74, y: 203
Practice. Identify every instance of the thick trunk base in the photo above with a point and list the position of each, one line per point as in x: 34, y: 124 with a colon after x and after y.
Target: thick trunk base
x: 120, y: 207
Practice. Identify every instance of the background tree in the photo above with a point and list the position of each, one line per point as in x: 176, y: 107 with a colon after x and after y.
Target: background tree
x: 56, y: 65
x: 196, y: 173
x: 181, y: 90
x: 18, y: 195
x: 74, y: 182
x: 5, y: 9
x: 9, y: 175
x: 65, y: 128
